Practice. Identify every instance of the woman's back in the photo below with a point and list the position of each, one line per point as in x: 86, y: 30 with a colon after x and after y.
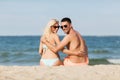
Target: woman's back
x: 47, y: 53
x: 49, y: 58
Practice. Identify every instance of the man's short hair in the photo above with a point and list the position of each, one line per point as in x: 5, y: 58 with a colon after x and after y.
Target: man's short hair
x: 66, y: 19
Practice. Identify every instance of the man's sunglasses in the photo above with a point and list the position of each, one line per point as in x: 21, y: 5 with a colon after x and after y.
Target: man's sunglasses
x: 65, y: 26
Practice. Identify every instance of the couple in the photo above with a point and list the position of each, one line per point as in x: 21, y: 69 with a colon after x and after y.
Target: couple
x: 72, y: 44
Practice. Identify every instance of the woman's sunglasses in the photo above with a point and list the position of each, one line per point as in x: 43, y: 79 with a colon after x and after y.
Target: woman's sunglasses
x: 65, y: 26
x: 56, y: 27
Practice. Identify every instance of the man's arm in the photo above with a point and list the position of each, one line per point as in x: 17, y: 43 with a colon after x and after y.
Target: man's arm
x: 77, y: 53
x: 59, y: 47
x: 81, y: 52
x: 83, y: 47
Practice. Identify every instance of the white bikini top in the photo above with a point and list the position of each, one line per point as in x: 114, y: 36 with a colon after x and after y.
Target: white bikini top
x: 44, y: 46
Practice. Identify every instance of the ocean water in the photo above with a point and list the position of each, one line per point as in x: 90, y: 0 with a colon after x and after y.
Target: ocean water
x: 23, y: 50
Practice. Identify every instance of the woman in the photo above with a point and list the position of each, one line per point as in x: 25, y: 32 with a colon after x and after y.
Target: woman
x: 49, y: 58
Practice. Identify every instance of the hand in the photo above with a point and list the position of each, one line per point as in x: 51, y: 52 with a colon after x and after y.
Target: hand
x: 82, y: 53
x: 43, y: 40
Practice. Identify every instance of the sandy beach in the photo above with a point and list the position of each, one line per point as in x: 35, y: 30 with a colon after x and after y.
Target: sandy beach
x: 95, y: 72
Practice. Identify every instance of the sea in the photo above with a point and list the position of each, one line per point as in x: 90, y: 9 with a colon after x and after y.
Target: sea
x: 23, y: 50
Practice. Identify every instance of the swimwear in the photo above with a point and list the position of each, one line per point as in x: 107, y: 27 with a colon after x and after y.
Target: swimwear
x: 67, y: 62
x: 49, y: 62
x: 45, y: 47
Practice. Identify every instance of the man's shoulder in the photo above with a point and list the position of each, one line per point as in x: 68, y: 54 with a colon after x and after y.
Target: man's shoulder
x: 69, y: 36
x: 73, y: 34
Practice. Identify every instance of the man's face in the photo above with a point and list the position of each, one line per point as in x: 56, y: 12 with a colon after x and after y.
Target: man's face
x: 65, y: 26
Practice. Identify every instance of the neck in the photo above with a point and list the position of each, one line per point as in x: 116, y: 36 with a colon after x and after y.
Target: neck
x: 71, y: 31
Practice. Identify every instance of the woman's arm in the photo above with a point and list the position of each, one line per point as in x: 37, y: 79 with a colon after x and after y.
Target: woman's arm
x: 40, y: 48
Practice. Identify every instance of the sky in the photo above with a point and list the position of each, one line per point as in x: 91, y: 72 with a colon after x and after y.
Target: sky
x: 89, y: 17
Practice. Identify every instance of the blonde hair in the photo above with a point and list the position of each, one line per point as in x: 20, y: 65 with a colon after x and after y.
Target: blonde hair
x: 47, y: 30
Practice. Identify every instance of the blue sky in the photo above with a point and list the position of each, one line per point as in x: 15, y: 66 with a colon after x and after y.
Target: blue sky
x: 89, y: 17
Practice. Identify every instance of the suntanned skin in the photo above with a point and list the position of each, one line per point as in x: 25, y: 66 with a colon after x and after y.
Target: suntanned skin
x: 73, y: 41
x: 48, y: 54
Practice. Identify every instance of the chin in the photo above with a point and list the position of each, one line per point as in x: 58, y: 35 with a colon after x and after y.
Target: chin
x: 55, y: 31
x: 66, y: 32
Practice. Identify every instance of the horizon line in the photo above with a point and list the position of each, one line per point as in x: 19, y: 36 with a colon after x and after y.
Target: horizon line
x: 59, y: 35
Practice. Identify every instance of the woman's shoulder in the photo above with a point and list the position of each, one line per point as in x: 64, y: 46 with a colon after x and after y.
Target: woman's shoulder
x: 55, y: 35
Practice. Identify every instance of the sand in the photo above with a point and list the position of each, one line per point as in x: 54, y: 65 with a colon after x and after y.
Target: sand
x: 95, y: 72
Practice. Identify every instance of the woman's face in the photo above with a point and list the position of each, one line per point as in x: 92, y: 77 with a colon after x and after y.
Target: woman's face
x: 55, y: 28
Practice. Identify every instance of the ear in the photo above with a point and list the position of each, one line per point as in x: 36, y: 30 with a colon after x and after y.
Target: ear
x: 71, y: 25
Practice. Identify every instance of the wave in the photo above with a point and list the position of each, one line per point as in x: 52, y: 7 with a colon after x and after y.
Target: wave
x: 114, y: 61
x: 100, y: 51
x: 104, y: 61
x: 4, y: 54
x: 31, y: 49
x: 98, y: 61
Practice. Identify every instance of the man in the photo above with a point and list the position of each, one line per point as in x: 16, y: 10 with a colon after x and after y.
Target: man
x: 73, y: 42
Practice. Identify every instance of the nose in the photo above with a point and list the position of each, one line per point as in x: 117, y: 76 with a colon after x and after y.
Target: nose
x: 64, y: 28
